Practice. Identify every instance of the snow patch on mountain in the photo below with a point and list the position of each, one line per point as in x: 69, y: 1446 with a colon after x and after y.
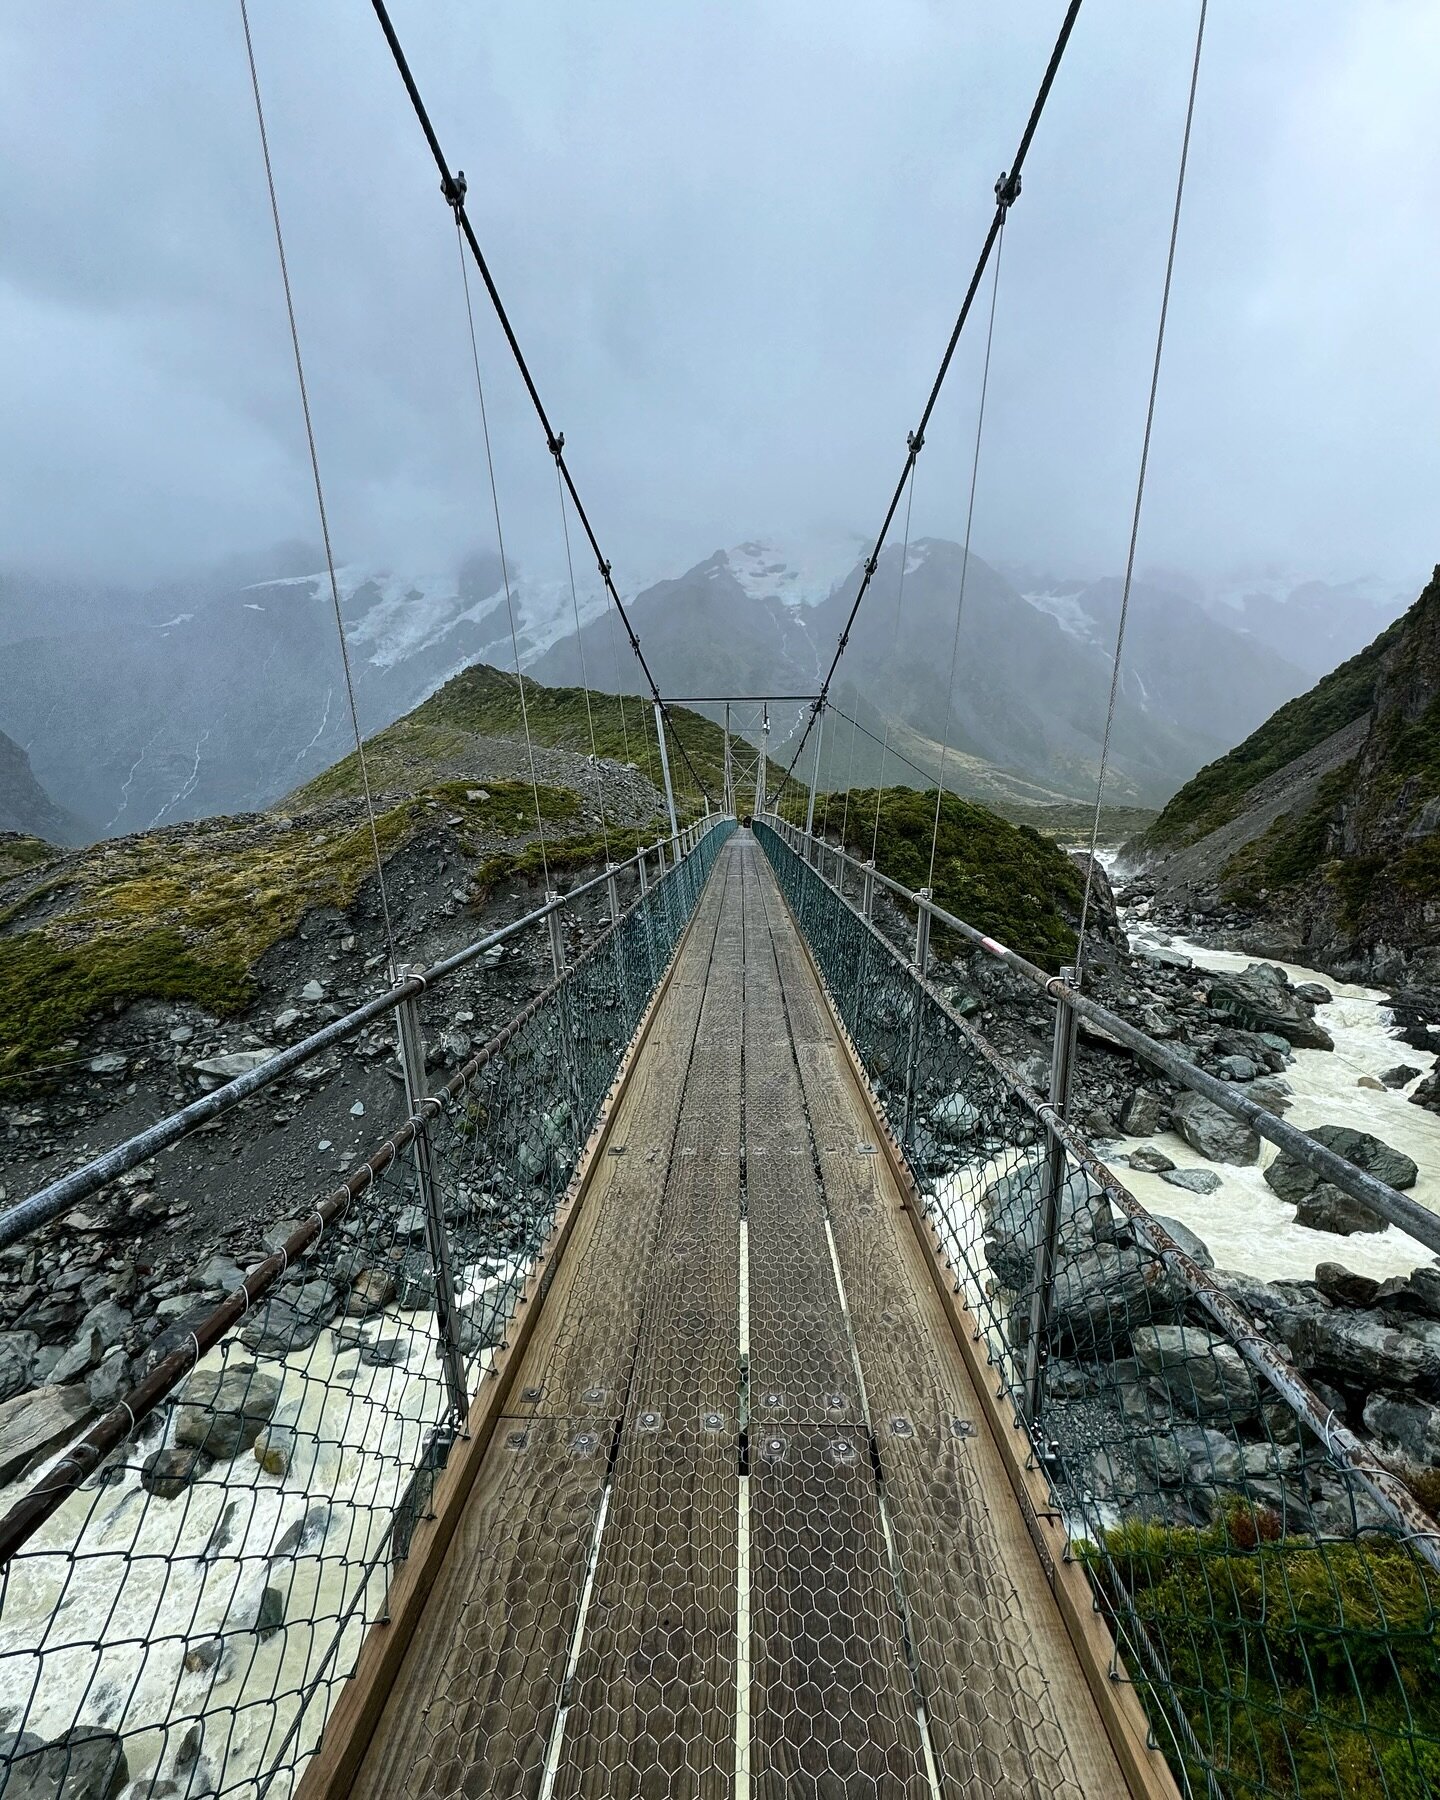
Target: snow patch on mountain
x: 795, y: 574
x: 1065, y: 608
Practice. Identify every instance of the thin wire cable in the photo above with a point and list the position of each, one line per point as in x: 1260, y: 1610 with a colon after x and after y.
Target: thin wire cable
x: 319, y: 494
x: 1007, y: 190
x: 1139, y: 498
x: 894, y: 655
x: 504, y: 564
x: 965, y: 559
x: 580, y: 648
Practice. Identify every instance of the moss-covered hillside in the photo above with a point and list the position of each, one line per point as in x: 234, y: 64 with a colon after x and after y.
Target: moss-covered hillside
x: 482, y: 702
x: 1008, y: 880
x: 185, y: 913
x: 1220, y: 791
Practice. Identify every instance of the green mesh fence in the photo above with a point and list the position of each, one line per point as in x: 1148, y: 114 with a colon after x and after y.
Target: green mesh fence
x: 181, y: 1622
x: 1275, y: 1607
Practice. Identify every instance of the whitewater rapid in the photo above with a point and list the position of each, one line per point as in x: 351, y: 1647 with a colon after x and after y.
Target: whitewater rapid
x: 1245, y: 1224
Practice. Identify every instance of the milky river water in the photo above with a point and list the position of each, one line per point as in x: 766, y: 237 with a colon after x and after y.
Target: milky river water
x: 1246, y: 1224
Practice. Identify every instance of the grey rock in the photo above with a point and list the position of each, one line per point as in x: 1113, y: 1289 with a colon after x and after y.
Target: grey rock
x: 480, y: 1326
x: 34, y: 1423
x: 1364, y: 1350
x: 1419, y: 1292
x: 1012, y: 1218
x: 291, y: 1320
x: 221, y: 1272
x: 1406, y: 1424
x: 1203, y: 1373
x: 1212, y: 1131
x: 313, y: 990
x: 224, y: 1409
x: 1194, y: 1181
x: 1262, y: 999
x: 1236, y: 1068
x: 1100, y: 1296
x: 1342, y: 1287
x: 1398, y: 1077
x: 1151, y: 1162
x: 1272, y: 1092
x: 1140, y: 1116
x: 955, y: 1118
x: 1327, y: 1208
x: 1194, y: 1247
x: 18, y: 1350
x: 1315, y: 992
x: 385, y: 1352
x: 167, y: 1473
x: 1293, y: 1179
x: 371, y: 1291
x: 204, y: 1653
x: 304, y: 1535
x: 274, y: 1236
x: 274, y: 1449
x: 110, y: 1063
x: 1282, y: 1309
x: 107, y: 1383
x: 84, y: 1764
x: 231, y: 1064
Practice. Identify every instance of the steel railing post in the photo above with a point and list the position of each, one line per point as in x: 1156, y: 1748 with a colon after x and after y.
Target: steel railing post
x: 912, y: 1055
x: 447, y: 1316
x: 1052, y: 1189
x: 867, y: 891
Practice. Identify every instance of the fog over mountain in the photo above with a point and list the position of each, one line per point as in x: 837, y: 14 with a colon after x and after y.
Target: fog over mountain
x: 732, y: 244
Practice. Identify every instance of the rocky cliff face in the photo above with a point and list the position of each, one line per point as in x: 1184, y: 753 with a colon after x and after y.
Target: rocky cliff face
x: 1331, y: 853
x: 25, y: 807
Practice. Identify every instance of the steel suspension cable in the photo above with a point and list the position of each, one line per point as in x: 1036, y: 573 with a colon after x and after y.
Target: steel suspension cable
x: 965, y: 558
x: 319, y: 495
x: 554, y: 443
x: 1139, y: 495
x: 580, y: 648
x: 1007, y: 190
x: 504, y: 561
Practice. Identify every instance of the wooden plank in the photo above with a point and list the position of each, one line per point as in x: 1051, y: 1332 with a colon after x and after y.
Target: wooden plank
x: 474, y: 1708
x: 833, y: 1713
x: 654, y: 1690
x: 332, y: 1770
x: 687, y: 1360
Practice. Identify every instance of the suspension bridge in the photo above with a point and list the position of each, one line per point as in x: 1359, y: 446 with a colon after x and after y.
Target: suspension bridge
x: 734, y: 1379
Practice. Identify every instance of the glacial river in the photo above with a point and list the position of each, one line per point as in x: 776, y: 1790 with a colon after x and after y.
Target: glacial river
x: 1246, y: 1225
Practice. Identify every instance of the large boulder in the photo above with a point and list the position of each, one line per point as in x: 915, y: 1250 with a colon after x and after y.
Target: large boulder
x: 1012, y: 1206
x: 1262, y: 999
x: 167, y: 1473
x: 18, y: 1350
x: 291, y: 1319
x: 1406, y: 1424
x: 1329, y: 1208
x: 84, y: 1764
x: 1282, y: 1309
x: 1214, y: 1132
x: 1140, y: 1116
x: 1368, y: 1350
x: 1101, y: 1297
x: 955, y: 1118
x: 1293, y: 1179
x: 1203, y: 1373
x: 1194, y: 1247
x: 224, y: 1410
x: 37, y: 1422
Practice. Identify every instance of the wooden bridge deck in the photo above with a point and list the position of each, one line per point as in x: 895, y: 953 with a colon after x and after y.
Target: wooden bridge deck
x: 743, y: 1520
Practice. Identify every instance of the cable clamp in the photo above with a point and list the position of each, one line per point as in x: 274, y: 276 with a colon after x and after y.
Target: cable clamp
x: 556, y: 445
x: 1007, y: 190
x: 871, y: 565
x: 454, y: 189
x: 914, y: 444
x: 604, y: 569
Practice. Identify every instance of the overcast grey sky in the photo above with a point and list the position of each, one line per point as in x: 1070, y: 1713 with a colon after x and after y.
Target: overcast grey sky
x: 732, y: 238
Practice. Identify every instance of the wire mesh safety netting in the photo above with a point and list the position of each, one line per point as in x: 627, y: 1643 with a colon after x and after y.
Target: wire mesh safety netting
x: 182, y: 1620
x: 1272, y: 1599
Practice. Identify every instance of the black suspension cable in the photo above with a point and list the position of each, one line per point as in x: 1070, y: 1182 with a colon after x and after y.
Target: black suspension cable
x: 1007, y: 190
x: 554, y: 442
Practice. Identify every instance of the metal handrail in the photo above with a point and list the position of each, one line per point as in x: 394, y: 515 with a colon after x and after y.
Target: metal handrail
x: 1397, y: 1208
x: 66, y: 1191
